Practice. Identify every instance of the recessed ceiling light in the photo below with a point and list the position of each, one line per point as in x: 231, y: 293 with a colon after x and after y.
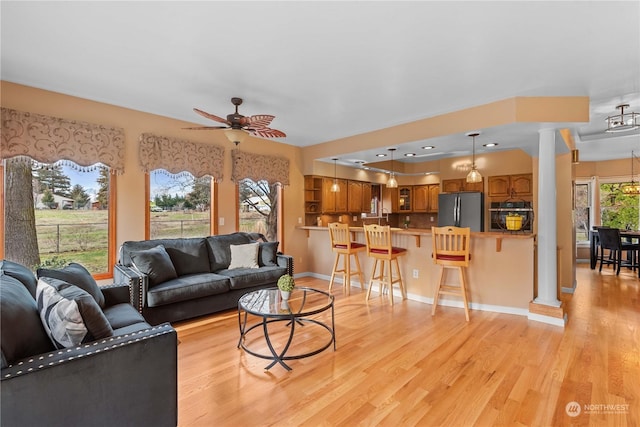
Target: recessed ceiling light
x: 381, y: 155
x: 410, y: 154
x: 360, y: 162
x: 428, y: 147
x: 490, y: 144
x: 365, y: 168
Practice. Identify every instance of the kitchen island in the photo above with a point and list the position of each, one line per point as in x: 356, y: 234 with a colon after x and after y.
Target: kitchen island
x: 500, y: 276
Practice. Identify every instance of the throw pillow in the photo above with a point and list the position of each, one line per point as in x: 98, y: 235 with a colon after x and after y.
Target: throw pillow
x: 244, y: 256
x: 77, y: 275
x: 155, y: 263
x: 70, y: 316
x: 267, y: 254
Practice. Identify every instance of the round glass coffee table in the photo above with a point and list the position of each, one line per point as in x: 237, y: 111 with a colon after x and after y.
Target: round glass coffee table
x: 301, y: 310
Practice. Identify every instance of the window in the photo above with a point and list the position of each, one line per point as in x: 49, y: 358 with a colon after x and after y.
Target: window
x: 67, y: 217
x: 179, y: 205
x: 582, y: 212
x: 258, y: 208
x: 618, y: 210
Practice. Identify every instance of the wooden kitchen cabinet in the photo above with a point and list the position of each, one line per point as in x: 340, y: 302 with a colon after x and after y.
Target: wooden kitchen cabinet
x: 425, y: 198
x: 354, y: 196
x: 366, y: 197
x: 334, y: 202
x: 510, y: 185
x: 461, y: 184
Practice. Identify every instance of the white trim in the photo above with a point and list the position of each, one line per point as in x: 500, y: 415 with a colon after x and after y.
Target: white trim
x: 548, y: 319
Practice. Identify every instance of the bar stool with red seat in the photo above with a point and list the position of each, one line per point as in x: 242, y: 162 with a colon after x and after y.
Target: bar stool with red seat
x: 343, y: 247
x: 378, y: 238
x: 451, y: 250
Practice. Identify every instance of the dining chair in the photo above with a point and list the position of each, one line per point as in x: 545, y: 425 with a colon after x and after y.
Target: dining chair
x: 611, y: 240
x: 451, y: 250
x: 344, y: 248
x: 385, y: 256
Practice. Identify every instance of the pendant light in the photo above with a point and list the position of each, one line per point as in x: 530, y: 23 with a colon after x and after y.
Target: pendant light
x: 632, y: 189
x: 392, y: 182
x: 474, y: 175
x: 335, y: 188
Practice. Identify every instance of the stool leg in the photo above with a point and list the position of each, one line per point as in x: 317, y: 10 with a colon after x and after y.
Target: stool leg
x: 360, y: 275
x: 347, y: 273
x: 463, y: 289
x: 390, y: 281
x: 403, y: 291
x: 333, y: 271
x: 373, y: 277
x: 437, y: 293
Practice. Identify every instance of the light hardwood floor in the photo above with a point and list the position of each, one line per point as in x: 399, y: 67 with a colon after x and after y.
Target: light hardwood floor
x: 398, y: 365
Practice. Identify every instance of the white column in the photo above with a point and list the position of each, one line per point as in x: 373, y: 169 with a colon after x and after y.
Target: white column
x: 547, y: 226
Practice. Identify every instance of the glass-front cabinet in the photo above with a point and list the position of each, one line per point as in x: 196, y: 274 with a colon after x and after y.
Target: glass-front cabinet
x: 405, y: 199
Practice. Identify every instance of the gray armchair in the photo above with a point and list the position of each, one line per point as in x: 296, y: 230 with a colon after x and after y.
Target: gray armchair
x: 126, y: 379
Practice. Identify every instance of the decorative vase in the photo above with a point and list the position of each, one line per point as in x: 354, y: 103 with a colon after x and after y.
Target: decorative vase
x: 285, y: 294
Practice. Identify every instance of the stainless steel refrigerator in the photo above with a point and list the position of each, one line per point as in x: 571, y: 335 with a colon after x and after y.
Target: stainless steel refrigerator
x: 461, y: 210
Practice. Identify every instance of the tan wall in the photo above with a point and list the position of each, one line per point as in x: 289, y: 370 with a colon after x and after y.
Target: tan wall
x: 607, y: 169
x: 131, y: 202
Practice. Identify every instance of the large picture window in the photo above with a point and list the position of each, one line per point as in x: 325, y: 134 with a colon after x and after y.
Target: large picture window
x: 618, y: 210
x: 179, y: 205
x: 258, y: 207
x: 58, y: 213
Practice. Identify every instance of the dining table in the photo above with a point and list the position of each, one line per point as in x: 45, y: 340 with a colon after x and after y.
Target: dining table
x: 594, y: 241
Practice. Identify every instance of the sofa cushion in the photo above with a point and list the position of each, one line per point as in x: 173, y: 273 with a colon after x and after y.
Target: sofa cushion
x: 155, y: 263
x: 186, y: 288
x: 77, y: 275
x: 220, y: 251
x: 189, y: 255
x: 69, y: 314
x: 22, y: 273
x: 268, y: 254
x: 241, y: 278
x: 121, y: 315
x: 22, y: 334
x: 244, y: 256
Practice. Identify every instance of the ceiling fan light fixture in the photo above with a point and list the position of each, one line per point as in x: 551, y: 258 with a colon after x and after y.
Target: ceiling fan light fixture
x: 474, y: 175
x: 235, y: 135
x: 392, y: 182
x: 623, y: 122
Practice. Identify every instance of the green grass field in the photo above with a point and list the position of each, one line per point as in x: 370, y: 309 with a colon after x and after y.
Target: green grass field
x: 81, y: 235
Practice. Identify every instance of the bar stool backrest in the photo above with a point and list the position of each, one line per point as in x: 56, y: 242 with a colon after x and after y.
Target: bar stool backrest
x: 339, y: 233
x: 378, y: 238
x: 451, y: 245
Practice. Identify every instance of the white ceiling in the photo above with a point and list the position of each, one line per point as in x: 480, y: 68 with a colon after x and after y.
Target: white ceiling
x: 329, y: 70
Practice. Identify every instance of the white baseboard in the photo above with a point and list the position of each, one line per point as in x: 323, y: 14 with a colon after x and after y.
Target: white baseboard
x: 442, y: 301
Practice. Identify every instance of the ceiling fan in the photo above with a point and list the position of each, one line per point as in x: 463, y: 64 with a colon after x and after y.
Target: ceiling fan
x: 257, y: 125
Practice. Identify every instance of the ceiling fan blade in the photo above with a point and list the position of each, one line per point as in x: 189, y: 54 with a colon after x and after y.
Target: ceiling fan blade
x: 259, y: 120
x: 266, y: 132
x: 211, y: 116
x: 207, y: 127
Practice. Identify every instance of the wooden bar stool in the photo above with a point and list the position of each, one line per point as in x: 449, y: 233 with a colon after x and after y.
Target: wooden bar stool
x: 343, y: 247
x: 378, y: 238
x: 451, y: 250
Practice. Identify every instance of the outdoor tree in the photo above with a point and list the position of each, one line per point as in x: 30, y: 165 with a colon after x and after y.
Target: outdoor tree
x: 103, y: 189
x: 262, y: 198
x: 20, y: 242
x: 53, y: 179
x: 48, y: 200
x: 200, y: 196
x: 619, y: 210
x: 79, y: 196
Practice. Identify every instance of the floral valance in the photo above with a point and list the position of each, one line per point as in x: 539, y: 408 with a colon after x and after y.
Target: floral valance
x: 49, y: 139
x: 259, y: 167
x: 179, y: 155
